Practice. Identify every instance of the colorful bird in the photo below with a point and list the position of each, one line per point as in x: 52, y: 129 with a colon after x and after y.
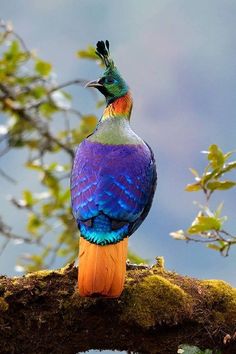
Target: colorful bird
x: 113, y: 181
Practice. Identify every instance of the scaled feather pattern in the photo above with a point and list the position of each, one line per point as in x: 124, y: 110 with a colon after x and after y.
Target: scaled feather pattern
x: 111, y: 182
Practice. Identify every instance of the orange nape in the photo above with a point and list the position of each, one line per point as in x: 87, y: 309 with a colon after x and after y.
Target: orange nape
x: 102, y: 269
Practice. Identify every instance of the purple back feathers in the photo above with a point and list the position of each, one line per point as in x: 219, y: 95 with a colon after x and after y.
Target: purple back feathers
x: 117, y: 181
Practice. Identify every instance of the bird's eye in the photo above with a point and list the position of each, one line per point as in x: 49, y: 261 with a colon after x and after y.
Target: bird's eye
x: 109, y: 80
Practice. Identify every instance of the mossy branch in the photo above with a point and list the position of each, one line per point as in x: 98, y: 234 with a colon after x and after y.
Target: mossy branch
x: 157, y: 311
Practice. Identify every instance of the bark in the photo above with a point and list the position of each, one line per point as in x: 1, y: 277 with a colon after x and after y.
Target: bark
x: 42, y: 313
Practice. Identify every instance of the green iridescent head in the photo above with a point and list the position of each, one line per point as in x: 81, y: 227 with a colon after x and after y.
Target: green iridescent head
x: 111, y: 84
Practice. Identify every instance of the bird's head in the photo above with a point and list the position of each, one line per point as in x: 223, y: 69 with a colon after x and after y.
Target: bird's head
x: 111, y: 84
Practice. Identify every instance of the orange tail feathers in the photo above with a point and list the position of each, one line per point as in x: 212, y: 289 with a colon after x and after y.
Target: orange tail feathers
x: 102, y: 269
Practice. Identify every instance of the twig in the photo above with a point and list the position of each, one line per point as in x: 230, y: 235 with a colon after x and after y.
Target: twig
x: 5, y: 150
x: 22, y: 42
x: 4, y: 245
x: 68, y: 83
x: 5, y: 230
x: 7, y: 177
x: 43, y: 130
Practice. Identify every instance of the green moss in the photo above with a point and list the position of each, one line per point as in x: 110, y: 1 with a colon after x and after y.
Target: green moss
x: 16, y: 280
x: 160, y: 263
x: 40, y: 273
x: 155, y: 300
x: 2, y: 288
x: 220, y: 298
x: 46, y: 272
x: 81, y: 302
x: 41, y: 284
x: 3, y: 304
x: 7, y: 294
x: 62, y: 292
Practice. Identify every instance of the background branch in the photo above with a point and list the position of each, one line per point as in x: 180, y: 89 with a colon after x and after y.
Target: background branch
x: 39, y: 118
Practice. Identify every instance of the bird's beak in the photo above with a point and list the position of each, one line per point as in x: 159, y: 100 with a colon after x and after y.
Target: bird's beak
x: 94, y: 83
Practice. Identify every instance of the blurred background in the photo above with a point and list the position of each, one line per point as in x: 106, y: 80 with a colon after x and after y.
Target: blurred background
x: 178, y: 58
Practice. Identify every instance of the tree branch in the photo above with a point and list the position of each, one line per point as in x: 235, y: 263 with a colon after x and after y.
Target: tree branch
x: 157, y: 311
x: 44, y: 131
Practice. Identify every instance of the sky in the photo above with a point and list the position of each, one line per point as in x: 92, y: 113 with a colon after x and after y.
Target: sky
x: 178, y: 57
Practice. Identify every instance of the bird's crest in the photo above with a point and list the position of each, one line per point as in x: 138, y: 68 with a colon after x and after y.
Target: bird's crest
x: 102, y: 51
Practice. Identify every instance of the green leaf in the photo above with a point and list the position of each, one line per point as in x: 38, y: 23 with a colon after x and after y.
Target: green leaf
x: 51, y: 182
x: 42, y: 67
x: 194, y: 172
x: 33, y: 144
x: 213, y: 246
x: 64, y: 196
x: 34, y: 165
x: 219, y: 210
x: 13, y: 50
x: 178, y: 235
x: 100, y: 103
x: 209, y: 175
x: 28, y: 198
x: 34, y: 223
x: 228, y: 154
x: 193, y: 187
x: 48, y: 109
x: 230, y: 166
x: 221, y: 185
x: 48, y: 209
x: 88, y: 53
x: 88, y: 124
x: 52, y: 167
x: 204, y: 223
x: 38, y: 92
x: 215, y: 156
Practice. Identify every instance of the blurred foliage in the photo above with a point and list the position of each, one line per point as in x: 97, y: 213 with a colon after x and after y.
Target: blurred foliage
x: 208, y: 225
x: 134, y: 258
x: 32, y: 103
x: 90, y: 54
